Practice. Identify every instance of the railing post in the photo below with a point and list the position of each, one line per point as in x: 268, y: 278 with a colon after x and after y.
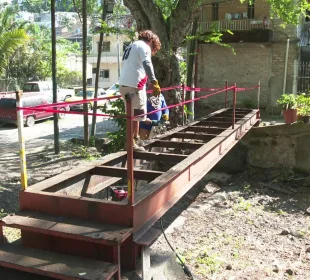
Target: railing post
x: 226, y: 86
x: 234, y: 106
x: 129, y: 140
x: 183, y: 98
x: 258, y: 95
x: 21, y: 140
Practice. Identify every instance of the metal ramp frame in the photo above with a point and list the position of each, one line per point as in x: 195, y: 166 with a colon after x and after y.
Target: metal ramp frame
x: 79, y: 227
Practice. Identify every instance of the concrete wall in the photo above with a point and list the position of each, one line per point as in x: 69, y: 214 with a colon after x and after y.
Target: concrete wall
x: 273, y: 146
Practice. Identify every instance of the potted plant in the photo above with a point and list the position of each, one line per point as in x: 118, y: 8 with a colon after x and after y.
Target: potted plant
x: 288, y: 104
x: 303, y: 106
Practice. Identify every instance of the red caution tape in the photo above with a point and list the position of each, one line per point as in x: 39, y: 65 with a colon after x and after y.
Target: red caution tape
x: 65, y: 104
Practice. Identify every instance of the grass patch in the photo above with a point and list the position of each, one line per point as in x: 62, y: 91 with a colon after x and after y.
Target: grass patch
x: 242, y: 205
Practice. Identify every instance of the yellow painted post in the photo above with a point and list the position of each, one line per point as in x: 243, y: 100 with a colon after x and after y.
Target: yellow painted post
x: 21, y: 140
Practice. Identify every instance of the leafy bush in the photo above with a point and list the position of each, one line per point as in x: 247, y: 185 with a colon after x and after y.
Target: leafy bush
x: 287, y: 101
x: 303, y: 104
x: 117, y: 138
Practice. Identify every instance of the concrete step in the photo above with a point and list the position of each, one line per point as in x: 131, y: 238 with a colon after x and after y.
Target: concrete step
x: 68, y: 227
x: 54, y: 265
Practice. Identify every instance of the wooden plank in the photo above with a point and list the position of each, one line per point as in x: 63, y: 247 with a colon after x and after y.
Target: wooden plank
x: 193, y: 136
x: 73, y: 175
x: 120, y: 172
x: 54, y: 265
x: 159, y: 156
x: 68, y: 227
x: 175, y: 144
x: 210, y: 130
x: 214, y: 123
x: 105, y: 184
x: 224, y: 119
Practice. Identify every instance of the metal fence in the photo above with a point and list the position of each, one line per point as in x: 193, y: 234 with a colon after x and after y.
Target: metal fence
x: 234, y: 25
x: 303, y: 79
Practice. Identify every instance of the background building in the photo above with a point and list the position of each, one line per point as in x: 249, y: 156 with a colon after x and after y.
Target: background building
x: 262, y: 51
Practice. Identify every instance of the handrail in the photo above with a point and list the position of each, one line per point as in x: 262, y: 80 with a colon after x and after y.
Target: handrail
x: 235, y: 25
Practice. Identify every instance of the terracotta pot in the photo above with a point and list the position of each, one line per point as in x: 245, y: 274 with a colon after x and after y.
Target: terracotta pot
x: 290, y: 116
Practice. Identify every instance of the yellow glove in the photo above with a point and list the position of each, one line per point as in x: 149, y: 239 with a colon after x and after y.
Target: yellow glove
x: 165, y: 117
x: 156, y: 88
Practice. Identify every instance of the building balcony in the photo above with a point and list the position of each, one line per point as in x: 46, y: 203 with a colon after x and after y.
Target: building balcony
x: 244, y: 30
x: 234, y: 25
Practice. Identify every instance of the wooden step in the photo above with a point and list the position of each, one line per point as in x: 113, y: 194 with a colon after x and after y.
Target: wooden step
x: 68, y: 227
x: 54, y: 265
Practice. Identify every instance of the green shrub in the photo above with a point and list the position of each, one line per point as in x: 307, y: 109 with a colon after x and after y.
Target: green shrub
x: 287, y: 101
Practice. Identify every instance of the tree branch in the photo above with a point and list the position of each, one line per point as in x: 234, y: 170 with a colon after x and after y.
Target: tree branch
x: 181, y: 18
x: 139, y: 15
x: 157, y: 21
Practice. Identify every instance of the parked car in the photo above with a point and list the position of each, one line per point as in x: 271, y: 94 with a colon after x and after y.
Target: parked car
x: 8, y: 112
x: 90, y: 95
x: 112, y: 91
x: 46, y: 87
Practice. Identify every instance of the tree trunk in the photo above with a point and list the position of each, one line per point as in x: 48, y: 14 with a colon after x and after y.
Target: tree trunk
x: 167, y: 72
x: 172, y: 32
x: 93, y: 125
x: 191, y: 56
x: 85, y: 107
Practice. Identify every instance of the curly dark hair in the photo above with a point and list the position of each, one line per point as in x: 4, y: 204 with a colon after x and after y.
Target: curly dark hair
x: 149, y: 36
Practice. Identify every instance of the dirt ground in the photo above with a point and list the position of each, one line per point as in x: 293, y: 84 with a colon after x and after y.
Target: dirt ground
x: 255, y: 226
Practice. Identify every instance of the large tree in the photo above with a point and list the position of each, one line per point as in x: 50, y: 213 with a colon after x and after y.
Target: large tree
x: 172, y: 20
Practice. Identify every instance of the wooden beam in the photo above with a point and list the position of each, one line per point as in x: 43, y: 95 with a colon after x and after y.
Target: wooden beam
x: 209, y: 130
x: 214, y: 124
x: 159, y: 156
x: 175, y: 144
x: 184, y: 135
x: 102, y: 186
x: 120, y: 172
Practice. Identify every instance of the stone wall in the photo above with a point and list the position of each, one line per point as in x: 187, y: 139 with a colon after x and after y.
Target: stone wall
x: 268, y: 147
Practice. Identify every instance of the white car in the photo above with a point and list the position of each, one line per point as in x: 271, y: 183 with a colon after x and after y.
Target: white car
x: 112, y: 91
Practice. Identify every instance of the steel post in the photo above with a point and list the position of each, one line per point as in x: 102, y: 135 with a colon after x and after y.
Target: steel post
x: 21, y: 140
x: 183, y: 97
x: 226, y: 86
x: 129, y: 141
x: 54, y: 75
x: 234, y: 106
x: 258, y: 95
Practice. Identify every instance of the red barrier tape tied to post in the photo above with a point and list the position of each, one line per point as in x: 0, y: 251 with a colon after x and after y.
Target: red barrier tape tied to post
x: 65, y: 104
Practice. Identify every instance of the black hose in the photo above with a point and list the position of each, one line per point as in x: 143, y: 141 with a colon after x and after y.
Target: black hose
x: 185, y: 268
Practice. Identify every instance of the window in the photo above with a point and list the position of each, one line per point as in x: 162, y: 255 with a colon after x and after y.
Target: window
x: 215, y: 11
x: 105, y: 74
x: 251, y: 10
x: 106, y: 46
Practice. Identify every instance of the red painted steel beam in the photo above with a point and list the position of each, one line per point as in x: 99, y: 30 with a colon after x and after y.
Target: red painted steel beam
x: 160, y: 195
